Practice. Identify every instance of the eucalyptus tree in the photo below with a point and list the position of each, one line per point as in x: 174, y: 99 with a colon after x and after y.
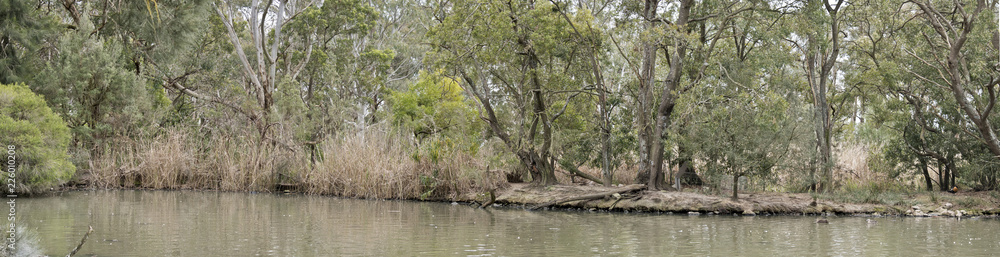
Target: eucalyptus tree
x: 690, y: 26
x: 949, y: 40
x: 260, y: 68
x: 335, y: 74
x: 591, y: 38
x: 923, y: 64
x: 952, y: 86
x: 741, y: 120
x: 819, y: 39
x: 514, y: 58
x: 747, y: 134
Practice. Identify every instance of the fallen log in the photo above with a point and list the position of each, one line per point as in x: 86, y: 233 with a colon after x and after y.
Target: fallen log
x: 575, y: 171
x: 594, y: 196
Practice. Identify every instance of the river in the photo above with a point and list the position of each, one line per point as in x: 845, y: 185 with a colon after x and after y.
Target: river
x: 187, y: 223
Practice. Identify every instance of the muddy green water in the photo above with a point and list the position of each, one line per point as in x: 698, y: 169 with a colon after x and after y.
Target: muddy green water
x: 172, y: 223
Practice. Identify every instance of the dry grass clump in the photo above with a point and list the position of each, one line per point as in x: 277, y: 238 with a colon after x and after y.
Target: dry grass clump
x: 374, y: 164
x: 158, y: 163
x: 177, y: 160
x: 377, y: 164
x: 852, y: 164
x: 369, y: 166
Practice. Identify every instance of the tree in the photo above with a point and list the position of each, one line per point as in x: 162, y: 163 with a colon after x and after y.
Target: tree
x: 591, y: 42
x: 436, y: 104
x: 513, y: 57
x: 36, y: 138
x: 949, y: 95
x: 973, y: 83
x: 683, y: 39
x: 819, y: 41
x: 94, y: 91
x: 262, y: 76
x: 742, y: 120
x: 23, y: 31
x: 748, y: 135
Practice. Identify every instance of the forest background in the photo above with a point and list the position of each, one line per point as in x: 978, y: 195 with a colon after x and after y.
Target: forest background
x: 425, y: 99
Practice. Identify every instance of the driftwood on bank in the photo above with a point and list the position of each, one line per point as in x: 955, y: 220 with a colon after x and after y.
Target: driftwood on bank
x: 591, y: 196
x: 84, y: 240
x: 574, y: 170
x: 493, y: 199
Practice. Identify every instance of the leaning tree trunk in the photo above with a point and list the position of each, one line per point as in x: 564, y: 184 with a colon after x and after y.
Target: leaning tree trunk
x: 927, y: 174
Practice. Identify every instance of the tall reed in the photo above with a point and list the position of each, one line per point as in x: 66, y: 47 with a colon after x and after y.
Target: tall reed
x: 374, y: 164
x: 177, y: 160
x: 379, y: 164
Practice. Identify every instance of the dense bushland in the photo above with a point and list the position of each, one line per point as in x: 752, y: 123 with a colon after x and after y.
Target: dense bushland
x: 414, y: 99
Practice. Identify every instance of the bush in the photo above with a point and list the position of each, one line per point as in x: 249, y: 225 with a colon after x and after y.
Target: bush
x: 39, y: 138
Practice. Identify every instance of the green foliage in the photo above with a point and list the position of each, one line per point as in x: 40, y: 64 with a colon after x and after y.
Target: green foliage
x: 433, y: 105
x: 23, y: 31
x: 95, y: 92
x: 747, y: 135
x: 558, y: 77
x: 39, y: 136
x: 162, y: 31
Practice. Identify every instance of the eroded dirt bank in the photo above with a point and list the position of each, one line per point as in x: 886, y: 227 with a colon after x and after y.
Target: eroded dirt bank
x: 636, y: 198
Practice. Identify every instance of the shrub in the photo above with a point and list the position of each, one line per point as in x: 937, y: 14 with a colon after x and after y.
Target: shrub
x: 39, y: 138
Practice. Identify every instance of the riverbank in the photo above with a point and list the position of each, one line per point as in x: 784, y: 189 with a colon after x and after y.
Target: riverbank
x: 926, y: 204
x: 635, y: 198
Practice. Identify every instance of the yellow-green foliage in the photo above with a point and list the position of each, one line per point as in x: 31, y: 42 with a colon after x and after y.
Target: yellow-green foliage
x: 433, y: 105
x: 40, y: 139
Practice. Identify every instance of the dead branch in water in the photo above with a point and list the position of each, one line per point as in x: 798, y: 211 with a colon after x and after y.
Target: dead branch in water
x: 590, y: 196
x: 84, y: 240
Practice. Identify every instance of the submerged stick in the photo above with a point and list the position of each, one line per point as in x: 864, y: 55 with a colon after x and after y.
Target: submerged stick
x: 84, y: 240
x: 590, y: 196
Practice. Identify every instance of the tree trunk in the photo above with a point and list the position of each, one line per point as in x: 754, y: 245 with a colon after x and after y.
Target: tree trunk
x: 927, y: 175
x: 667, y: 97
x: 942, y: 179
x: 574, y: 170
x: 952, y: 171
x: 687, y: 175
x: 955, y: 37
x: 539, y: 167
x: 823, y: 164
x: 645, y: 97
x: 819, y: 85
x: 736, y: 183
x: 606, y: 155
